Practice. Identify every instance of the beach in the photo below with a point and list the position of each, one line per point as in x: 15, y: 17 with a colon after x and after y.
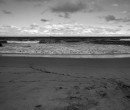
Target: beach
x: 52, y: 83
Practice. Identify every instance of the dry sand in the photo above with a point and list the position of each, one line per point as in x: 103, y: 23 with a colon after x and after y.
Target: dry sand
x: 33, y: 83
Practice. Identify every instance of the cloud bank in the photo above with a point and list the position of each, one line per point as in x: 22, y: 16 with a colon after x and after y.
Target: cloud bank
x: 61, y: 30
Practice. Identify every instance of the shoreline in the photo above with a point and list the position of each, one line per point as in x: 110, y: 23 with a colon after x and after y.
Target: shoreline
x: 66, y: 56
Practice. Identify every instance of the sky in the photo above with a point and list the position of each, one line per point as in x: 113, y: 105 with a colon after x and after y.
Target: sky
x: 61, y: 17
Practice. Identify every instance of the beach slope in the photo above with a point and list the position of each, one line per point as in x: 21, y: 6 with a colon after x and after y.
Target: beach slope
x: 38, y: 83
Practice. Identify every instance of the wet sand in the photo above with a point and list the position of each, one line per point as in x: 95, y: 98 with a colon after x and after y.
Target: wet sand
x: 38, y: 83
x: 93, y: 56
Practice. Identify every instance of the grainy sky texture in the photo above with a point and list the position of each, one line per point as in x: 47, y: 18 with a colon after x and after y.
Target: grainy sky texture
x: 102, y: 16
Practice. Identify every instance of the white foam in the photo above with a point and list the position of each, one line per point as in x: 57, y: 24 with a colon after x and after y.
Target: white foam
x: 22, y: 41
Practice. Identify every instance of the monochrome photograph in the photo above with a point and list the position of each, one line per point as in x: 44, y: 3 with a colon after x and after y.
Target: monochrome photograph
x: 64, y: 54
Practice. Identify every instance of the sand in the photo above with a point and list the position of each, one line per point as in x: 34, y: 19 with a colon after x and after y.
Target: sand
x: 93, y: 56
x: 38, y: 83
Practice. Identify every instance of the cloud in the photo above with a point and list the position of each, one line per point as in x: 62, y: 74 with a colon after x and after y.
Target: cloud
x: 112, y: 30
x: 44, y: 20
x: 126, y: 20
x: 73, y: 6
x: 9, y: 30
x: 6, y: 12
x: 61, y: 29
x: 65, y: 15
x: 31, y: 0
x: 112, y: 18
x: 66, y: 6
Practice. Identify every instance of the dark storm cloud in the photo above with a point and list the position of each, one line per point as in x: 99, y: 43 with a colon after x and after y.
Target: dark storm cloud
x: 6, y: 12
x: 112, y: 18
